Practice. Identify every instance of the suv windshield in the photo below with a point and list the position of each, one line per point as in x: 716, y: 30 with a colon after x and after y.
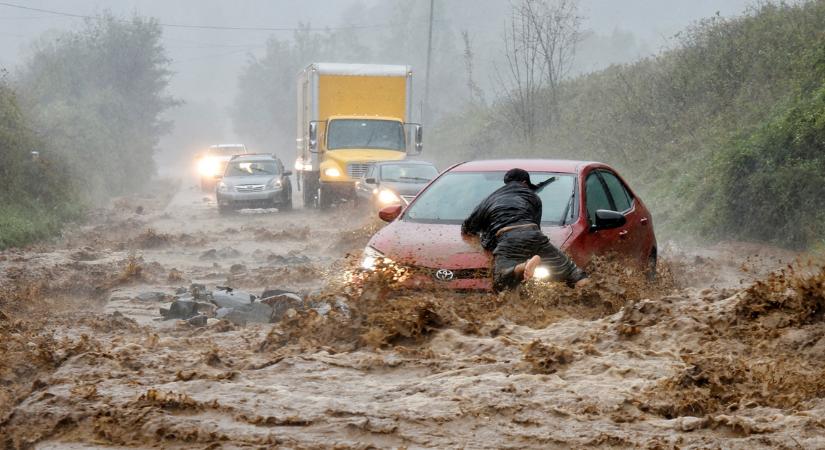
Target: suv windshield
x: 354, y: 133
x: 250, y: 168
x: 408, y: 173
x: 452, y: 198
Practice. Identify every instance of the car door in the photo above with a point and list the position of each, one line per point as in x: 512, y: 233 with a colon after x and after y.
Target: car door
x: 599, y: 242
x: 632, y: 238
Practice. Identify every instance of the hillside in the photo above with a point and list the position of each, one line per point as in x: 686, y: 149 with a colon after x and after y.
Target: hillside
x: 724, y: 136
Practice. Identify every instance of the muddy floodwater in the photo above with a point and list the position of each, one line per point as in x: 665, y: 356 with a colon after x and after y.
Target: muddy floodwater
x: 725, y: 350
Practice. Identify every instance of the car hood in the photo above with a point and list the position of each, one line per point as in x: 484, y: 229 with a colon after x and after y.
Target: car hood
x: 403, y: 188
x: 252, y: 179
x: 440, y: 246
x: 345, y: 156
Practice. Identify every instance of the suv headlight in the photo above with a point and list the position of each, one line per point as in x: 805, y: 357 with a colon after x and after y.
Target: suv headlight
x: 371, y: 258
x: 222, y: 187
x: 275, y: 183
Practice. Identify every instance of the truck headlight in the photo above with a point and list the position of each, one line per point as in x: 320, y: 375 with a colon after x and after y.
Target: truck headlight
x: 387, y: 197
x: 541, y: 273
x: 332, y: 172
x: 372, y: 257
x: 222, y: 187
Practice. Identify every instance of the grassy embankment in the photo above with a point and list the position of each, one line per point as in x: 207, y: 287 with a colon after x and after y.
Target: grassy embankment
x: 724, y: 136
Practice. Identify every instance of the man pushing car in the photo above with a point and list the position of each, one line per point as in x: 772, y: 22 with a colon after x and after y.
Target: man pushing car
x: 509, y: 224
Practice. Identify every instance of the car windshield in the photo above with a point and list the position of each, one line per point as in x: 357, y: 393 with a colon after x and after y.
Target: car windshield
x: 250, y: 168
x: 452, y: 197
x: 352, y: 133
x: 408, y: 173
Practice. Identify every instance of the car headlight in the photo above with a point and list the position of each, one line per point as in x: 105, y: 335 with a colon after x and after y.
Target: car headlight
x: 541, y: 273
x: 387, y: 197
x: 222, y: 187
x: 275, y: 183
x: 332, y: 172
x: 372, y: 257
x: 208, y: 167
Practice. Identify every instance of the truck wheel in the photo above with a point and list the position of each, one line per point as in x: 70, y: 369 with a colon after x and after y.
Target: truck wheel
x: 324, y: 197
x: 310, y: 190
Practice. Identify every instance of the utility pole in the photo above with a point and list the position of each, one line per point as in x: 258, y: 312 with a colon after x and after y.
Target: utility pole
x: 426, y: 109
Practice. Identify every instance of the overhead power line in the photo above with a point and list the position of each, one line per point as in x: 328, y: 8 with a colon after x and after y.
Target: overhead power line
x: 198, y: 27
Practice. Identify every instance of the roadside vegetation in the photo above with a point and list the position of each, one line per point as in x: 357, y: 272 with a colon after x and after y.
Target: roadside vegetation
x: 724, y: 136
x: 89, y: 102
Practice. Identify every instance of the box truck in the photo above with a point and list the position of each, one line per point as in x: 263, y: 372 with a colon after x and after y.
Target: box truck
x: 349, y: 116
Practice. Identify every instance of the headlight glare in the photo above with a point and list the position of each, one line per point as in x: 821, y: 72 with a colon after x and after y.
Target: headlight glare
x: 541, y: 273
x: 387, y: 197
x: 332, y: 172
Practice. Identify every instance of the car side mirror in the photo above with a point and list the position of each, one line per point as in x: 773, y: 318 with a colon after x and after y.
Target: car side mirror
x: 287, y: 173
x: 607, y: 219
x: 389, y: 213
x: 370, y: 181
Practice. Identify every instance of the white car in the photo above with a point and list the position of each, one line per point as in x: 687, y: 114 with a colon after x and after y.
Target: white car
x: 212, y: 163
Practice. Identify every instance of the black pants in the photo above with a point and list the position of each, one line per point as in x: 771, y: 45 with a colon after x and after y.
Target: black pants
x: 517, y: 246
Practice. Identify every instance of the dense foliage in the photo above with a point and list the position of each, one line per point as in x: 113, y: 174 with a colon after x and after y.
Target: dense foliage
x: 90, y: 102
x: 723, y: 136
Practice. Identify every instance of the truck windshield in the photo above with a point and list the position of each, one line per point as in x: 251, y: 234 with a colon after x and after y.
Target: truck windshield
x: 452, y: 198
x: 355, y: 133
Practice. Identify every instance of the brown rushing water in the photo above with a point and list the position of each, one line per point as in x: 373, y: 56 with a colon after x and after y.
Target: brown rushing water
x: 717, y: 353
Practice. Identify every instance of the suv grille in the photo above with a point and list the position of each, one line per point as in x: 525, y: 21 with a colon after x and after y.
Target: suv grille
x: 357, y: 170
x: 250, y: 187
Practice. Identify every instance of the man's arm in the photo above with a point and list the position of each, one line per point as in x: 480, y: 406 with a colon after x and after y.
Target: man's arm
x: 475, y: 223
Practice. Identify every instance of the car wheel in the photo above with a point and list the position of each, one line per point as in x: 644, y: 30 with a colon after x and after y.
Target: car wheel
x: 651, y: 266
x: 225, y: 210
x: 286, y: 205
x: 324, y: 197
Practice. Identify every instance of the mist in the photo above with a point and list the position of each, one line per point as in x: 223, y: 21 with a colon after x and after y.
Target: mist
x: 206, y: 63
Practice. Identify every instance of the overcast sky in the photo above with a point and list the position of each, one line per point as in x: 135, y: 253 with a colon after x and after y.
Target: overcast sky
x: 206, y: 62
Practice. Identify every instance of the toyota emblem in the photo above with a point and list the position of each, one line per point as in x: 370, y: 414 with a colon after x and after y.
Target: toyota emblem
x: 444, y: 275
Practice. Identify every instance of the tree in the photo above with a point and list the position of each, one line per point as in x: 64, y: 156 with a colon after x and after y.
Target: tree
x: 540, y: 43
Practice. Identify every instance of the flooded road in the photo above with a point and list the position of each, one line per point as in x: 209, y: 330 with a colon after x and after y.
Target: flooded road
x: 717, y: 353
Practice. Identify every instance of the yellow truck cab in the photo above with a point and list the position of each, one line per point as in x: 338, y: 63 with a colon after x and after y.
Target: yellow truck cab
x: 349, y: 116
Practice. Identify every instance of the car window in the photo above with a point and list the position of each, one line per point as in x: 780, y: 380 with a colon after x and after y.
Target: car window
x: 454, y: 195
x: 595, y: 196
x: 408, y: 173
x: 251, y: 168
x: 621, y: 198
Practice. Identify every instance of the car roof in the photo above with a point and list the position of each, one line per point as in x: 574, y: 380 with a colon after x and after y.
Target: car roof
x: 254, y: 157
x: 538, y: 165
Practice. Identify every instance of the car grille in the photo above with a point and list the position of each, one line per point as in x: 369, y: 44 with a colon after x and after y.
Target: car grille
x: 461, y: 274
x: 250, y: 188
x: 357, y: 170
x: 407, y: 198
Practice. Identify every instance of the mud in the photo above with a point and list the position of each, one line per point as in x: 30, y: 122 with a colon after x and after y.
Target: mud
x: 724, y: 350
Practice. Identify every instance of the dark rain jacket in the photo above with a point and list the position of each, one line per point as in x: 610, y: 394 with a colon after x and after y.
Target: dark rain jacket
x: 512, y: 204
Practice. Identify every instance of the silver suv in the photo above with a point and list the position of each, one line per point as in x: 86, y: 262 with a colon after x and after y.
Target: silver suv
x: 254, y: 181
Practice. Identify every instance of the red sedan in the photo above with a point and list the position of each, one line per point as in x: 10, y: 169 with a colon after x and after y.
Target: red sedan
x: 589, y: 210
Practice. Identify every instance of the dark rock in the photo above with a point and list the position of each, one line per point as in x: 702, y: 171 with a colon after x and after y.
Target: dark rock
x: 185, y: 309
x: 198, y: 321
x: 283, y: 302
x: 181, y: 290
x: 231, y: 299
x: 151, y: 296
x: 237, y: 268
x: 287, y: 260
x: 232, y: 316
